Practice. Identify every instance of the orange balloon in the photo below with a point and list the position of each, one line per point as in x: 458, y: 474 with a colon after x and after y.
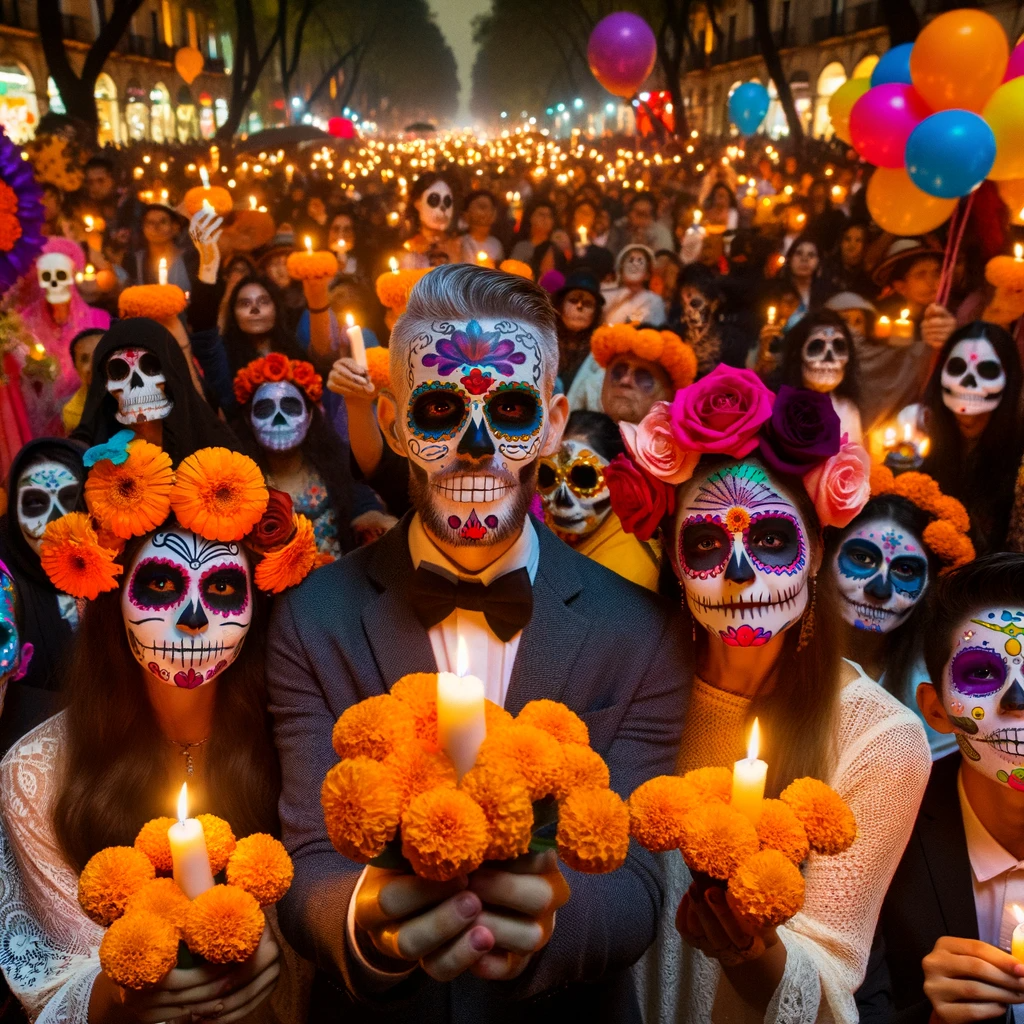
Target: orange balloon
x: 900, y: 207
x: 959, y: 59
x: 105, y: 280
x: 189, y: 62
x: 841, y: 103
x: 1012, y: 193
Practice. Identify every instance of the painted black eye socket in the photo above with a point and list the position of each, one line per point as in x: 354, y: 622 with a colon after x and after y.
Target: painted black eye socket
x: 225, y: 589
x: 68, y: 496
x: 956, y: 366
x: 816, y: 348
x: 292, y: 405
x: 61, y: 275
x: 867, y: 558
x: 34, y: 502
x: 546, y: 476
x: 513, y: 409
x: 989, y: 369
x: 6, y: 633
x: 774, y: 541
x: 438, y: 411
x: 908, y: 569
x: 118, y: 369
x: 263, y: 408
x: 583, y: 478
x: 977, y: 672
x: 158, y: 585
x: 704, y: 546
x: 149, y: 364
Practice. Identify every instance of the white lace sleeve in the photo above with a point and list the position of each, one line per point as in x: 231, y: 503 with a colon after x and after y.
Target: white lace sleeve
x: 49, y: 950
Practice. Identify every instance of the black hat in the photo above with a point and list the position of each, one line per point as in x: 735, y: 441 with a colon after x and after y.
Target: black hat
x: 579, y: 280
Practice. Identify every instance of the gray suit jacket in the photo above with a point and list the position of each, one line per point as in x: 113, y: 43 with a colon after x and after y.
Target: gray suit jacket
x: 612, y: 652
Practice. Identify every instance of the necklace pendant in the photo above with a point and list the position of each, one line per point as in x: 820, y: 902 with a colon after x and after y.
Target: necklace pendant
x: 189, y: 766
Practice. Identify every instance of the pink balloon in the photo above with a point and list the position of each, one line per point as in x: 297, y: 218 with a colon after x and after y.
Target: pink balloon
x: 621, y: 52
x: 1016, y: 66
x: 881, y: 122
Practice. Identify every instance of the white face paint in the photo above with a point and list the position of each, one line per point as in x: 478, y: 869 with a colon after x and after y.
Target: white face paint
x: 46, y: 491
x: 882, y: 573
x: 56, y: 275
x: 279, y: 417
x: 742, y: 553
x: 634, y: 267
x: 187, y: 607
x: 435, y: 207
x: 136, y: 380
x: 473, y: 424
x: 973, y: 378
x: 825, y: 355
x: 983, y: 693
x: 573, y: 488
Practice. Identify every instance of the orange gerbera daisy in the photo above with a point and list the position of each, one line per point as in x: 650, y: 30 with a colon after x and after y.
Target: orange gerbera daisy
x: 444, y: 834
x: 593, y: 831
x: 74, y: 559
x: 139, y: 950
x: 224, y: 925
x: 261, y: 866
x: 135, y: 497
x: 291, y: 563
x: 219, y: 494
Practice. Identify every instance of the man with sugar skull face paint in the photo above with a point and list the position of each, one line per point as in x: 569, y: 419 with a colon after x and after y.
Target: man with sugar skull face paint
x: 471, y: 406
x: 433, y: 202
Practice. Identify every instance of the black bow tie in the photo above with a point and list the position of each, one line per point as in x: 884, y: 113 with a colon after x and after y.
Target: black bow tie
x: 507, y: 603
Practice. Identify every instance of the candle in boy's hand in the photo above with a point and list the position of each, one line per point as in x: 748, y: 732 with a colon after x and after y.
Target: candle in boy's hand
x: 188, y: 851
x: 748, y: 779
x: 355, y: 340
x: 461, y: 721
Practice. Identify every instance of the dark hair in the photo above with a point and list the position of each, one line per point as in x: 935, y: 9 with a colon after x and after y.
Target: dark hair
x: 236, y: 341
x: 479, y: 193
x: 100, y: 162
x: 703, y: 278
x: 793, y: 347
x: 988, y: 581
x: 598, y: 429
x: 111, y: 783
x: 801, y: 239
x: 81, y: 336
x: 720, y: 185
x: 540, y: 251
x: 644, y: 197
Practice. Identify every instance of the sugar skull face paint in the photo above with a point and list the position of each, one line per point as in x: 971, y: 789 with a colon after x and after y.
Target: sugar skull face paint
x: 573, y: 488
x: 46, y: 491
x: 279, y: 416
x: 882, y: 573
x: 136, y: 380
x: 13, y: 658
x: 636, y: 267
x: 983, y: 692
x: 973, y: 378
x: 473, y: 425
x: 825, y: 355
x: 435, y: 206
x: 742, y: 552
x: 187, y: 607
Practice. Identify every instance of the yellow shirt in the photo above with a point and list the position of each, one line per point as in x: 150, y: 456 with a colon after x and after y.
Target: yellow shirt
x: 609, y: 545
x: 73, y: 409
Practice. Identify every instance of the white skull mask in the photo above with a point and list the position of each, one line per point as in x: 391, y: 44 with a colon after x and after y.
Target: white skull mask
x: 574, y: 491
x: 187, y: 607
x: 47, y: 490
x: 973, y: 378
x: 882, y: 573
x: 279, y: 417
x: 825, y: 355
x: 983, y: 693
x: 136, y: 380
x: 56, y: 275
x: 696, y: 312
x: 473, y: 424
x: 435, y: 207
x: 742, y: 554
x: 635, y: 268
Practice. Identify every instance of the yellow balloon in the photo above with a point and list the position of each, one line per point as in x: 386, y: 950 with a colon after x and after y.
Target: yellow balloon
x: 841, y: 103
x: 1004, y: 113
x: 1012, y: 193
x: 900, y: 207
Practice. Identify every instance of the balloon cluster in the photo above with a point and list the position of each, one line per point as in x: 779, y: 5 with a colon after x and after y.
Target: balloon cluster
x: 937, y: 117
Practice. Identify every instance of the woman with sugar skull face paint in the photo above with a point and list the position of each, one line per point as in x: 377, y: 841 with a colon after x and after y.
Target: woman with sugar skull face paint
x: 740, y: 483
x: 432, y: 203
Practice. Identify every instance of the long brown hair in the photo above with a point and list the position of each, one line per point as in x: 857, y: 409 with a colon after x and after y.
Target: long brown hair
x: 112, y: 774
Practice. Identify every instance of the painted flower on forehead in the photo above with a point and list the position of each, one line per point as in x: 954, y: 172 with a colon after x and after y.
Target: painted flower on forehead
x: 803, y: 431
x: 475, y: 347
x: 722, y: 412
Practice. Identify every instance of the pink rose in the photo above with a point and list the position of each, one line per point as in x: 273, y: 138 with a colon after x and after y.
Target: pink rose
x: 840, y: 486
x: 722, y: 412
x: 652, y: 446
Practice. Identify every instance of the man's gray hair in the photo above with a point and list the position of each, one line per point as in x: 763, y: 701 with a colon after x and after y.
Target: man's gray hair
x: 460, y: 292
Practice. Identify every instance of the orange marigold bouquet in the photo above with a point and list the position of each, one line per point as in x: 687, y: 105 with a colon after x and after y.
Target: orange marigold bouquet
x: 396, y: 800
x: 153, y: 927
x: 758, y: 864
x: 156, y: 301
x: 306, y: 266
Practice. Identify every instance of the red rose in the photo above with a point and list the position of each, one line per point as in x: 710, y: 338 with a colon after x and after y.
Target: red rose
x: 276, y: 366
x: 306, y: 377
x: 640, y: 500
x: 276, y: 526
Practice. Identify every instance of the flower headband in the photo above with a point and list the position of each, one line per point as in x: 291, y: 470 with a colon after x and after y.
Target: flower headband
x: 277, y: 367
x: 662, y: 347
x: 732, y: 412
x: 216, y: 493
x: 946, y: 536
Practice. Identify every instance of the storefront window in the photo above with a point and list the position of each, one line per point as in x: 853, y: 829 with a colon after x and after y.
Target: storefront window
x: 831, y: 78
x: 106, y: 110
x: 162, y: 127
x: 19, y: 113
x: 136, y: 111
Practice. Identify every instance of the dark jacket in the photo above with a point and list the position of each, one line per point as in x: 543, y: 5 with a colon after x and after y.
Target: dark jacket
x: 615, y: 654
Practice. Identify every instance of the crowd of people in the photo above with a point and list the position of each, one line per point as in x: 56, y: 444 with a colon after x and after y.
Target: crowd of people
x: 674, y: 434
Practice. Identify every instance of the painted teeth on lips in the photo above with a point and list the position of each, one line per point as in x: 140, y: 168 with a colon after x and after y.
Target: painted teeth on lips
x: 744, y: 606
x: 1006, y: 741
x: 479, y: 489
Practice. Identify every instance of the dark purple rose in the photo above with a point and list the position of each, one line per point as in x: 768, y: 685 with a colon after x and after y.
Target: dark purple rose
x: 802, y: 433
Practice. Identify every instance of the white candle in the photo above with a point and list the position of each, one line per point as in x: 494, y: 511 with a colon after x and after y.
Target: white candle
x: 188, y: 851
x: 355, y: 340
x: 204, y: 176
x: 309, y: 244
x: 162, y: 273
x: 748, y: 779
x: 771, y: 314
x: 393, y: 265
x: 1017, y: 942
x: 461, y: 723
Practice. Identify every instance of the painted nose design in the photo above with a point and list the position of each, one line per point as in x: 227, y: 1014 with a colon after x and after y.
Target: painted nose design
x: 1013, y: 699
x: 55, y: 513
x: 279, y: 420
x: 563, y: 499
x: 879, y: 587
x: 136, y: 380
x: 969, y: 381
x: 739, y: 570
x: 193, y: 619
x: 476, y: 441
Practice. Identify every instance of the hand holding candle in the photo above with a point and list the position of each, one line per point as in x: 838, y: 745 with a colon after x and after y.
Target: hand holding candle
x: 461, y: 722
x: 748, y: 778
x: 188, y: 851
x: 355, y: 340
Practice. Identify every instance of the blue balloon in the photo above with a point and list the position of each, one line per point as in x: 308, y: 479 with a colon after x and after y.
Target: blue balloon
x: 747, y: 106
x: 950, y: 153
x: 894, y: 66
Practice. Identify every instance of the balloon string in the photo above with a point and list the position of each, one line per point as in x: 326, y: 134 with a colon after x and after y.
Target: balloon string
x: 952, y: 250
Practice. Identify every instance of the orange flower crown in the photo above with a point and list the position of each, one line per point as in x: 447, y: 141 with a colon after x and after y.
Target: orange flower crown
x: 131, y: 490
x: 277, y: 367
x: 155, y: 301
x: 518, y: 268
x: 395, y: 799
x: 946, y: 536
x: 126, y: 889
x: 664, y: 347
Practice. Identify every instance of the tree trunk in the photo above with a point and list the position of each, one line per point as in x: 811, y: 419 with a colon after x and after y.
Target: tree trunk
x: 903, y: 22
x: 671, y: 48
x: 249, y: 65
x: 770, y: 52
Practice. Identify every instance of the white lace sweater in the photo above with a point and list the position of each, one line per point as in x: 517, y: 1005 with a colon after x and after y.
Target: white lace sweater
x: 881, y: 771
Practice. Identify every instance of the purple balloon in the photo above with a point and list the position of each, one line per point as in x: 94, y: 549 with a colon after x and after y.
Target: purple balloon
x: 1016, y: 66
x: 621, y: 52
x: 881, y: 122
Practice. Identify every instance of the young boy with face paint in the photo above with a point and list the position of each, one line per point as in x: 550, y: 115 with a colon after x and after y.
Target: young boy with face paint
x: 473, y: 363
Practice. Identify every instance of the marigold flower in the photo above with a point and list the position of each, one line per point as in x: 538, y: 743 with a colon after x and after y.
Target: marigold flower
x: 291, y: 563
x: 219, y: 494
x: 220, y: 841
x: 155, y: 301
x: 664, y: 347
x: 72, y: 556
x: 737, y: 520
x: 714, y: 784
x: 716, y: 839
x: 583, y: 768
x: 307, y: 266
x: 830, y: 825
x: 555, y: 719
x: 222, y: 201
x: 373, y: 728
x: 517, y: 267
x: 110, y: 879
x: 495, y: 717
x: 778, y: 828
x: 224, y: 925
x: 533, y: 753
x: 418, y: 691
x: 361, y: 808
x: 153, y: 841
x: 133, y: 498
x: 378, y: 366
x: 882, y: 479
x: 277, y: 367
x: 948, y: 544
x: 393, y: 287
x: 593, y: 831
x: 414, y: 768
x: 139, y: 950
x: 444, y: 834
x: 767, y: 889
x: 261, y: 866
x: 507, y: 806
x: 162, y: 897
x: 657, y: 809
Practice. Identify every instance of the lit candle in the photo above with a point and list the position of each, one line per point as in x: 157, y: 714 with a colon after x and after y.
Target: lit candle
x: 309, y: 244
x: 771, y: 314
x: 883, y: 327
x: 90, y: 272
x: 1018, y: 250
x: 162, y: 273
x: 890, y: 437
x: 188, y: 851
x: 207, y: 207
x: 461, y: 723
x: 252, y: 202
x: 1017, y: 942
x: 748, y: 779
x: 38, y: 351
x: 355, y: 340
x: 288, y: 172
x: 903, y: 328
x: 393, y: 265
x: 583, y: 237
x: 89, y: 222
x: 204, y: 176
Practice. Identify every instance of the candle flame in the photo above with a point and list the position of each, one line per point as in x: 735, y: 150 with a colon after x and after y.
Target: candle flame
x: 393, y: 264
x: 923, y: 446
x: 1018, y: 249
x: 1018, y: 912
x: 883, y: 320
x: 252, y: 202
x: 754, y: 743
x: 908, y: 431
x: 204, y: 176
x: 461, y: 657
x: 350, y: 320
x: 904, y: 314
x: 183, y: 802
x: 890, y: 437
x: 309, y: 244
x: 39, y: 350
x: 771, y: 314
x: 89, y: 222
x: 697, y: 217
x: 481, y: 257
